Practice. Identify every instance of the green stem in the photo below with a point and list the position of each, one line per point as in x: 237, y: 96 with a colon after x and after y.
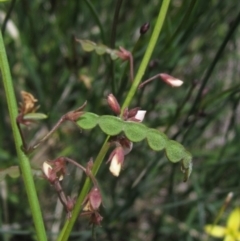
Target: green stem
x: 86, y: 187
x: 23, y: 160
x: 148, y: 53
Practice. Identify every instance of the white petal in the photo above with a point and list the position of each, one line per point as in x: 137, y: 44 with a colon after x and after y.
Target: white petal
x: 46, y: 168
x: 140, y: 115
x: 175, y: 82
x: 115, y: 166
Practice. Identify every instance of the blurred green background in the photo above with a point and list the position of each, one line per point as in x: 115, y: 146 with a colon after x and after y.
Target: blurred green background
x: 200, y: 44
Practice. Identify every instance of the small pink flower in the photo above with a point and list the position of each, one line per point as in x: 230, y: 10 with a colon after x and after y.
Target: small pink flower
x: 55, y: 171
x: 116, y: 158
x: 134, y: 114
x: 140, y: 115
x: 170, y: 80
x: 49, y: 173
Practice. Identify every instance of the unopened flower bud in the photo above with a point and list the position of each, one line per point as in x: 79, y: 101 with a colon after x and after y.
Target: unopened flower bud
x: 70, y: 204
x: 171, y: 80
x: 93, y: 200
x: 132, y: 113
x: 113, y: 103
x: 75, y: 114
x: 144, y: 28
x: 123, y: 54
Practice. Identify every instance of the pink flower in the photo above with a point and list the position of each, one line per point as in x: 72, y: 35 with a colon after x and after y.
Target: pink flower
x: 170, y: 80
x: 116, y: 158
x: 140, y: 115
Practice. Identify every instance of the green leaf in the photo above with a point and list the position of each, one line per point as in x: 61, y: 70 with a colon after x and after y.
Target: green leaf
x: 134, y: 131
x: 113, y: 55
x: 87, y: 45
x: 35, y: 116
x: 101, y: 49
x: 110, y: 125
x: 175, y: 152
x: 12, y: 171
x: 156, y: 140
x: 88, y: 121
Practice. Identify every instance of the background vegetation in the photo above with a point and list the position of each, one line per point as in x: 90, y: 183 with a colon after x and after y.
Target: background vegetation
x: 148, y: 201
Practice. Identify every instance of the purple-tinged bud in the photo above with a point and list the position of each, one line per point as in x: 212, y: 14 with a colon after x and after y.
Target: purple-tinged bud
x: 75, y: 114
x: 170, y: 80
x: 123, y: 54
x: 133, y: 112
x: 126, y: 145
x: 95, y: 198
x: 113, y: 103
x: 144, y: 28
x: 70, y: 204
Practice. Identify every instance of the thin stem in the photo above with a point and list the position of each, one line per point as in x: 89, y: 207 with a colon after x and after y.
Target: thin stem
x: 32, y: 148
x: 23, y: 160
x: 148, y: 80
x: 64, y: 235
x: 94, y: 233
x: 148, y: 53
x: 86, y: 187
x: 70, y: 116
x: 75, y: 163
x: 131, y: 67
